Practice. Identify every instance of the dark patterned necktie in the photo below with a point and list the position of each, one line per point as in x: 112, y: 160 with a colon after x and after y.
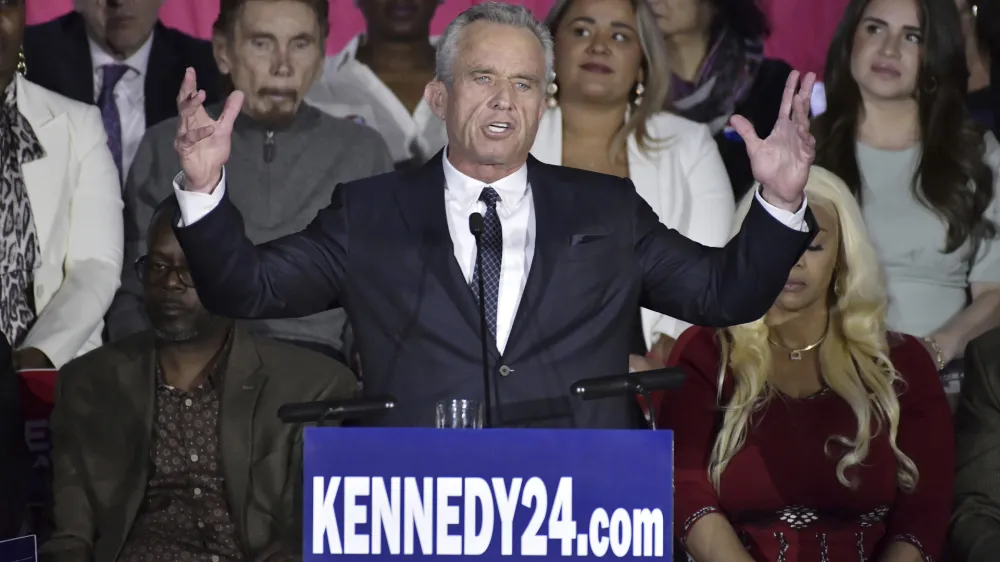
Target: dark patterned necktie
x: 111, y: 75
x: 491, y: 243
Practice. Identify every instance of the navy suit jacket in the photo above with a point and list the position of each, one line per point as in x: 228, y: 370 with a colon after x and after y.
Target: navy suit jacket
x: 382, y: 250
x: 57, y: 55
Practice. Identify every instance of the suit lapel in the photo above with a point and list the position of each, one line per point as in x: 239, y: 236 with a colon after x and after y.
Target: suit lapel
x: 162, y: 80
x: 241, y: 387
x: 553, y: 205
x: 423, y: 208
x: 76, y: 72
x: 138, y: 379
x: 44, y: 177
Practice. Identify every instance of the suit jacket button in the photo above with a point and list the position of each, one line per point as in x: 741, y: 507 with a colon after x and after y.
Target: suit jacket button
x: 505, y: 370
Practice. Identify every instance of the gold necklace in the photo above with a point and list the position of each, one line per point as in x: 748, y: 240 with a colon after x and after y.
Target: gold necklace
x: 796, y: 354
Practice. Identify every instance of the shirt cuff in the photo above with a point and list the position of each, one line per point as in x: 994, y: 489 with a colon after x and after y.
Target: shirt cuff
x: 795, y: 221
x: 194, y: 206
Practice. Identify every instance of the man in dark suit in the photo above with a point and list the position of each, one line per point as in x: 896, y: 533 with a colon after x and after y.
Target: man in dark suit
x: 168, y: 441
x: 116, y: 54
x: 975, y: 521
x: 396, y: 250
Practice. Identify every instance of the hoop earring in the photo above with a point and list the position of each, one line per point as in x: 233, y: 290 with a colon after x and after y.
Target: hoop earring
x: 639, y: 90
x: 932, y: 85
x: 550, y: 94
x: 22, y: 67
x: 836, y: 287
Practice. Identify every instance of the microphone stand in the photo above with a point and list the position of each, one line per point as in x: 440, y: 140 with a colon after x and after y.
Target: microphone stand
x: 641, y: 390
x: 483, y: 334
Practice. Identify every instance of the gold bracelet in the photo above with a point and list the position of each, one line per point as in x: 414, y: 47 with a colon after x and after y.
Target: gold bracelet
x: 937, y: 350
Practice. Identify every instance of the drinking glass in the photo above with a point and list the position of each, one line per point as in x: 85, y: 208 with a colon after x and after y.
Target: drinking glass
x: 459, y: 414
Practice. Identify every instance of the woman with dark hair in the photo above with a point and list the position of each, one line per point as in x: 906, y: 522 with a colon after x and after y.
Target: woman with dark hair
x: 898, y: 132
x: 716, y: 55
x: 981, y: 28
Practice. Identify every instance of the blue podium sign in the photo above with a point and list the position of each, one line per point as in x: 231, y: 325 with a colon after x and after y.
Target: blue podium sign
x: 429, y: 494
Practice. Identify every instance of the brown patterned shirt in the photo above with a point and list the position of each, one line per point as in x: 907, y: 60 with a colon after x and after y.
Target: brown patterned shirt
x: 184, y: 515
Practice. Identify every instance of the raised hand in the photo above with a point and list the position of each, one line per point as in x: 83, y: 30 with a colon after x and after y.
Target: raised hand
x: 203, y: 143
x: 781, y: 161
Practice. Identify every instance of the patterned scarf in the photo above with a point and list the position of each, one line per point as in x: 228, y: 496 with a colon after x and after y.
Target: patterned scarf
x: 19, y: 252
x: 725, y: 78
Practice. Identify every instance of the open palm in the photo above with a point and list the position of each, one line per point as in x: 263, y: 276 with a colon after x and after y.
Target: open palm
x: 203, y: 143
x: 781, y: 161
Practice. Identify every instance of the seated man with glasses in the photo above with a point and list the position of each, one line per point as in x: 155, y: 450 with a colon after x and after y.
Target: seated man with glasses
x: 167, y: 443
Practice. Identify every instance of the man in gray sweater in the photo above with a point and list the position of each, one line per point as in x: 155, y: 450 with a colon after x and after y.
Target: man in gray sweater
x: 286, y: 156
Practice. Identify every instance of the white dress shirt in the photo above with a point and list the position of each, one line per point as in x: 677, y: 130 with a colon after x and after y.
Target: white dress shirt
x: 351, y: 90
x: 517, y: 218
x: 130, y: 95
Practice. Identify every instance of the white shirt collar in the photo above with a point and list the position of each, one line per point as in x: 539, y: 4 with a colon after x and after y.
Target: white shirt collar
x: 466, y: 190
x: 350, y: 51
x: 138, y: 62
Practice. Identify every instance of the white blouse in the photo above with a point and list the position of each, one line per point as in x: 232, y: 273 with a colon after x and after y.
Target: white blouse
x: 682, y: 178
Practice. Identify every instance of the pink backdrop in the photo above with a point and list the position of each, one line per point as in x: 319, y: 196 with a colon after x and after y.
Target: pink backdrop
x: 802, y: 28
x: 197, y: 16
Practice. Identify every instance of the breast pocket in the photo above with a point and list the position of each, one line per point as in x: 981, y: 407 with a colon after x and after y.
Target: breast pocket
x: 591, y: 247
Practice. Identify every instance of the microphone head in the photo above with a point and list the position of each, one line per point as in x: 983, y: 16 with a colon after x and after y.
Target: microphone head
x: 476, y: 224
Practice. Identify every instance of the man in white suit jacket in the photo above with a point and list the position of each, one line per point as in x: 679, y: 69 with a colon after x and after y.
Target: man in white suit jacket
x: 76, y: 204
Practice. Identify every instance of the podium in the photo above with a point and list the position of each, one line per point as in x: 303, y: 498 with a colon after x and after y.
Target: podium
x: 511, y: 494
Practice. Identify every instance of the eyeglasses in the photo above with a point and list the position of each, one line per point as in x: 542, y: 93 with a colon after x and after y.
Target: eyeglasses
x: 157, y: 272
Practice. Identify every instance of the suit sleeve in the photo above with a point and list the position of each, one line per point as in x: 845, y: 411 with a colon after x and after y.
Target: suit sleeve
x: 691, y: 413
x: 93, y: 263
x: 73, y: 516
x: 143, y: 192
x: 294, y: 276
x: 716, y: 287
x: 975, y: 520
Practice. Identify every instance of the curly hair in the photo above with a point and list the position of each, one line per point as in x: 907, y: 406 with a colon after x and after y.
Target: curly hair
x: 854, y: 356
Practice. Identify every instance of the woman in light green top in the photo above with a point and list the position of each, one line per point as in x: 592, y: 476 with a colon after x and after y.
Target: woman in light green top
x: 898, y: 132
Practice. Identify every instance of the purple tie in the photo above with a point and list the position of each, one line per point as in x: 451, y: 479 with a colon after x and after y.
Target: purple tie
x: 111, y: 74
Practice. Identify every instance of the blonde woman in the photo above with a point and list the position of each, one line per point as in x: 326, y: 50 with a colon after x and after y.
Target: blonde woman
x: 826, y: 438
x: 605, y: 115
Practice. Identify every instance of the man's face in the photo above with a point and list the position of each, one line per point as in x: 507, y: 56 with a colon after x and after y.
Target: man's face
x: 11, y: 33
x: 273, y: 57
x: 493, y: 107
x: 172, y: 303
x: 398, y: 20
x: 119, y: 26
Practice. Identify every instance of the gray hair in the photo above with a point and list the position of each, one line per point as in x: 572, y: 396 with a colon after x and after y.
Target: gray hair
x: 491, y: 12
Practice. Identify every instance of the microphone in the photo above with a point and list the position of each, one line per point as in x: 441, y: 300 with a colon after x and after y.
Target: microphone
x: 633, y: 383
x: 319, y: 412
x: 476, y: 228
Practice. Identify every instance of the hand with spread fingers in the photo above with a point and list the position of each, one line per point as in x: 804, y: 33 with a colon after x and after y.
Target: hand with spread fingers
x: 203, y: 143
x: 781, y: 161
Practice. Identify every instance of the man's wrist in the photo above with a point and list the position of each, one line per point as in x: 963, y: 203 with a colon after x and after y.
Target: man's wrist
x: 771, y: 197
x: 208, y: 187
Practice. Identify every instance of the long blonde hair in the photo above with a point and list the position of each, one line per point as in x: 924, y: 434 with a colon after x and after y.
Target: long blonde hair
x: 854, y: 356
x: 655, y: 70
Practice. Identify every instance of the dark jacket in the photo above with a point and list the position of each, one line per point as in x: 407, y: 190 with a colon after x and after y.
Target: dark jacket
x: 57, y: 56
x: 13, y: 452
x: 101, y: 438
x: 383, y: 250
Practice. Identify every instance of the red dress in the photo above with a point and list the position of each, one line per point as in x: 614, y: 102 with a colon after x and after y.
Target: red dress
x: 781, y: 493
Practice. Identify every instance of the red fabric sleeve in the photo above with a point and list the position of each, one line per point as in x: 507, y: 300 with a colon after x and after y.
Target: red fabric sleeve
x: 691, y: 413
x: 926, y: 436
